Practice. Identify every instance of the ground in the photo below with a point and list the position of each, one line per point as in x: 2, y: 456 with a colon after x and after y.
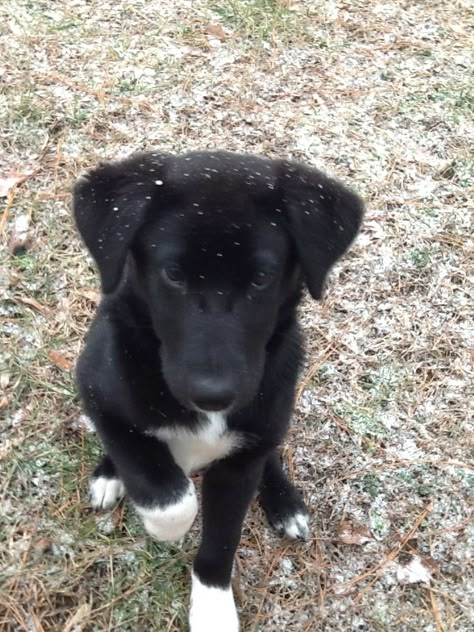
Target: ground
x: 378, y: 94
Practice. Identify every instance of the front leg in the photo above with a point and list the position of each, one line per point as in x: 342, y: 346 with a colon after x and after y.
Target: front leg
x: 228, y: 488
x: 163, y: 496
x: 281, y: 501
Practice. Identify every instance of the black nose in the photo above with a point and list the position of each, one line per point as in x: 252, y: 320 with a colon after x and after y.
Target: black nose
x: 212, y: 393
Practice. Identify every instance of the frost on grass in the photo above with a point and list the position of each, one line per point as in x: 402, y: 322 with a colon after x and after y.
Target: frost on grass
x: 378, y: 94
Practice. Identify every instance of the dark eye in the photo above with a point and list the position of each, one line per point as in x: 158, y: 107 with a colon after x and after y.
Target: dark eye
x: 262, y: 279
x: 173, y: 276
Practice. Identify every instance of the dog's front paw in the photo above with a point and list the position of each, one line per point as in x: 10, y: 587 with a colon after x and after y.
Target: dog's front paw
x: 295, y: 526
x: 105, y: 492
x: 173, y: 521
x: 212, y: 608
x: 286, y: 511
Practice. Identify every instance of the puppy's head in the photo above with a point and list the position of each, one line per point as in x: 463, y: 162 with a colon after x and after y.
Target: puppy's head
x: 221, y: 244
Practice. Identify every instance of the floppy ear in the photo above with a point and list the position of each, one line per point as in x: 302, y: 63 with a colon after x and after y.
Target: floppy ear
x: 110, y: 204
x: 323, y: 219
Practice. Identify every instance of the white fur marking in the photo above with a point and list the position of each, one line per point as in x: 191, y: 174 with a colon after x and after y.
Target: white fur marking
x: 193, y: 450
x: 105, y: 492
x: 171, y: 522
x: 296, y: 526
x: 212, y: 609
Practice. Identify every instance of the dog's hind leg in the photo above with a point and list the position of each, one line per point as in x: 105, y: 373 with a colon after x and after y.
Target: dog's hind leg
x: 105, y: 487
x: 282, y: 503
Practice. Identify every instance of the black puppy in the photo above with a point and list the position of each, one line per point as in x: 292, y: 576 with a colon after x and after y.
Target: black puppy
x: 194, y: 353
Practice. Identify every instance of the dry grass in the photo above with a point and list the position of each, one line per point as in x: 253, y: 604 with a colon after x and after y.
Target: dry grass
x: 379, y: 94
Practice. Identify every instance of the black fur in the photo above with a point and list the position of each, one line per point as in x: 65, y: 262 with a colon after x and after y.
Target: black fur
x: 202, y: 259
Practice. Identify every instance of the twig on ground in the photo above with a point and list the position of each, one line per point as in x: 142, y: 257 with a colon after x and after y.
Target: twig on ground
x: 387, y: 559
x: 436, y: 611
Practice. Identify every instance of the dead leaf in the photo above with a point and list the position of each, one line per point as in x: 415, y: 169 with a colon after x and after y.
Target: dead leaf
x: 431, y: 564
x: 7, y: 183
x: 4, y: 380
x: 349, y: 533
x: 471, y: 353
x: 117, y: 515
x: 91, y: 295
x: 341, y: 590
x: 79, y: 618
x: 31, y: 302
x: 216, y: 30
x: 60, y: 361
x: 19, y: 238
x: 418, y: 570
x: 4, y: 402
x: 42, y: 545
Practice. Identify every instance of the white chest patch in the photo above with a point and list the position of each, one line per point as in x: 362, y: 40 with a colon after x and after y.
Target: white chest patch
x: 193, y: 450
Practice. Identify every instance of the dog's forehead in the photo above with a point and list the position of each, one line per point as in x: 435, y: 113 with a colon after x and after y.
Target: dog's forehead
x: 218, y: 201
x: 221, y: 168
x: 237, y: 229
x: 233, y: 238
x: 221, y: 216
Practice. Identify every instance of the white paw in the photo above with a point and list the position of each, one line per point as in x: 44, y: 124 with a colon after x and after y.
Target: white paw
x: 171, y: 522
x: 212, y: 609
x: 295, y: 526
x: 105, y: 492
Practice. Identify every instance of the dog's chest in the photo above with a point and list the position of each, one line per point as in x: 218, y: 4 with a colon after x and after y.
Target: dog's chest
x: 194, y: 450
